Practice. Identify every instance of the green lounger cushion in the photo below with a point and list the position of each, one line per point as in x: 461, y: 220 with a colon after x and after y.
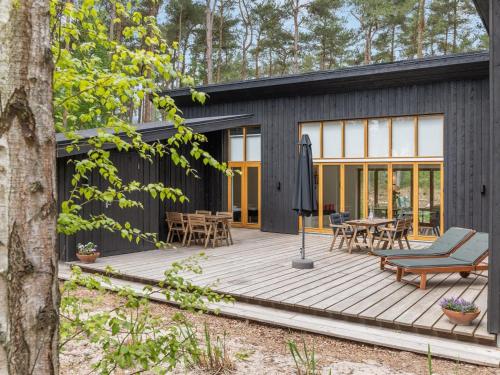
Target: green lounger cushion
x: 467, y: 255
x: 442, y: 246
x: 473, y: 249
x: 428, y: 262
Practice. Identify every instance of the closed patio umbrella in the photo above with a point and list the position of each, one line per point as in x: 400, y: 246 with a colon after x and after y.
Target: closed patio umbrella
x: 304, y: 201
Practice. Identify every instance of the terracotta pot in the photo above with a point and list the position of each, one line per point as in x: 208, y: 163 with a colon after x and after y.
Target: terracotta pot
x: 460, y: 318
x: 88, y: 258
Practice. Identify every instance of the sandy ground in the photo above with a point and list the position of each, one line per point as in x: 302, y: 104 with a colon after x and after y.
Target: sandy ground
x: 260, y: 349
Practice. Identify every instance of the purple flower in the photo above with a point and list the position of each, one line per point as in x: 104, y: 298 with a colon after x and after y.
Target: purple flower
x: 458, y: 304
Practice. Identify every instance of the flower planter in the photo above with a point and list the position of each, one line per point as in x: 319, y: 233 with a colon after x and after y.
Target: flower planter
x: 87, y: 258
x: 460, y: 318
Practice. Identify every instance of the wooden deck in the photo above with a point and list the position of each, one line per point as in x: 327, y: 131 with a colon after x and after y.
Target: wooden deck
x: 256, y: 269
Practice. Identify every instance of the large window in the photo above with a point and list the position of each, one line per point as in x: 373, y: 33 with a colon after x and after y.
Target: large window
x: 389, y: 137
x: 244, y: 144
x: 390, y: 167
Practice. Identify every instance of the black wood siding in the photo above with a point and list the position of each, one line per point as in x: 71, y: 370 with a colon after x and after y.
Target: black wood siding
x: 494, y: 182
x: 204, y: 192
x: 464, y: 104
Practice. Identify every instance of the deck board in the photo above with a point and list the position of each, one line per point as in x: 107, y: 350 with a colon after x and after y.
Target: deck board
x: 257, y: 268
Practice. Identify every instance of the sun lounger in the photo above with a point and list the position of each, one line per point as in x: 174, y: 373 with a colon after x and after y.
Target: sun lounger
x: 466, y: 259
x: 450, y: 241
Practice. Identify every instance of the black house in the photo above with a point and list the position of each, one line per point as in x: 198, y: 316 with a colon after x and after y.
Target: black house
x: 406, y: 137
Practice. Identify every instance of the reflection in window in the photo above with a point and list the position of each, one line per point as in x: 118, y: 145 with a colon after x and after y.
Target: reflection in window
x: 313, y: 131
x: 313, y: 220
x: 236, y: 144
x: 377, y: 190
x: 253, y: 195
x: 402, y: 191
x: 354, y: 197
x: 429, y: 199
x: 236, y: 195
x: 403, y: 136
x: 331, y: 191
x: 378, y: 138
x: 354, y: 139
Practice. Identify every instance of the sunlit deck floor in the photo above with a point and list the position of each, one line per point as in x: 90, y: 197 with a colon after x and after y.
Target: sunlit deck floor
x: 257, y: 269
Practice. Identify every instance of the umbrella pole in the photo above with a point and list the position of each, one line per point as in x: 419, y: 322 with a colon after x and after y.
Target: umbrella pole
x: 303, y: 250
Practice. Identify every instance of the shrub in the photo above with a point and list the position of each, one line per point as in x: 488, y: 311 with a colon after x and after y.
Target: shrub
x: 128, y: 334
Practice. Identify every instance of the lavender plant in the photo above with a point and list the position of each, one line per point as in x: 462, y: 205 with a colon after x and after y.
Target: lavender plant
x: 458, y: 304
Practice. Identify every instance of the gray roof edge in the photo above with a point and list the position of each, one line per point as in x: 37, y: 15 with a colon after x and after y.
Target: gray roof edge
x: 155, y: 131
x: 363, y: 71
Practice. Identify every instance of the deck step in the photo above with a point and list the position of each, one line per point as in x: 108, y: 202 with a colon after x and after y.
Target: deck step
x: 385, y: 337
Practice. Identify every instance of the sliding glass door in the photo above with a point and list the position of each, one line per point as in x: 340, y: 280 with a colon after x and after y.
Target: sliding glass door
x: 388, y: 190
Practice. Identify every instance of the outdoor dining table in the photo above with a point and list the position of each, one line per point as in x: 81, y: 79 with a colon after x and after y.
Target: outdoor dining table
x: 369, y: 224
x: 214, y: 221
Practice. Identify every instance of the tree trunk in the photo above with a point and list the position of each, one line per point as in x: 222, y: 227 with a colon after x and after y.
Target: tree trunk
x: 455, y: 26
x: 295, y: 10
x: 221, y: 41
x: 257, y: 57
x: 246, y: 43
x: 209, y: 21
x: 393, y: 42
x: 420, y: 28
x: 29, y: 292
x: 368, y: 46
x: 111, y: 23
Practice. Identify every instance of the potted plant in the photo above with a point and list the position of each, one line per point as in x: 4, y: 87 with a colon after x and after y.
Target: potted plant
x: 87, y: 253
x: 459, y: 311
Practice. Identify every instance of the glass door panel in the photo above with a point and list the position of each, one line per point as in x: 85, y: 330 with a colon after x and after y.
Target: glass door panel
x: 354, y: 191
x: 331, y: 192
x: 378, y: 200
x: 313, y: 220
x: 236, y: 195
x: 252, y: 192
x: 429, y: 200
x: 402, y: 191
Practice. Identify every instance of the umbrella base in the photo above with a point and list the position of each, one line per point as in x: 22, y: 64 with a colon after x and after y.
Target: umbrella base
x: 302, y: 264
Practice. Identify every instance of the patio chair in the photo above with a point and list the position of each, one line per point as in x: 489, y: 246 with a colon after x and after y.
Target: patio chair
x: 397, y: 233
x: 451, y: 240
x: 227, y: 223
x: 176, y: 227
x: 345, y: 231
x: 203, y: 212
x: 199, y: 228
x: 466, y: 259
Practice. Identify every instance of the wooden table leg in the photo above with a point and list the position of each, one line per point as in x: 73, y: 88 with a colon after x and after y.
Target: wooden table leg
x: 207, y: 239
x: 370, y: 239
x: 229, y: 233
x: 351, y: 242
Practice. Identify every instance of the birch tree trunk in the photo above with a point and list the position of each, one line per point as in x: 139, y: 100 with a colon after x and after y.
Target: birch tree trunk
x: 29, y: 292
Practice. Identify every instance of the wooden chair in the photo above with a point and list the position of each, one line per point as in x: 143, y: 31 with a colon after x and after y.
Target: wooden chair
x: 345, y: 231
x: 397, y: 233
x: 227, y: 223
x: 203, y: 212
x: 199, y: 228
x: 176, y: 227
